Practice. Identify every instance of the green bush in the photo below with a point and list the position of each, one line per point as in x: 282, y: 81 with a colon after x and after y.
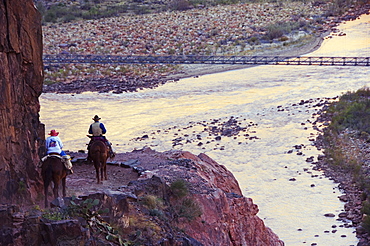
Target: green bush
x: 254, y: 41
x: 152, y: 202
x: 87, y: 10
x: 352, y: 111
x: 179, y: 188
x: 179, y: 5
x: 279, y: 29
x: 187, y: 208
x: 183, y: 206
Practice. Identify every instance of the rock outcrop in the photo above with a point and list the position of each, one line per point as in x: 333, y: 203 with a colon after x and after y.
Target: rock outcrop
x: 21, y: 78
x: 182, y: 200
x: 228, y: 218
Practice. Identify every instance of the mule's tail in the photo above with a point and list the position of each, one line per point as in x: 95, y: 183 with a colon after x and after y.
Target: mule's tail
x: 47, y: 174
x: 97, y: 158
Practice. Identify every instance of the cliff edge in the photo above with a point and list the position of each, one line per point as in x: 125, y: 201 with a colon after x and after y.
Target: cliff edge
x: 150, y: 198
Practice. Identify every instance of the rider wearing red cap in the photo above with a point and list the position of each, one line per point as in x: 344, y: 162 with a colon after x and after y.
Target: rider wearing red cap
x: 54, y: 145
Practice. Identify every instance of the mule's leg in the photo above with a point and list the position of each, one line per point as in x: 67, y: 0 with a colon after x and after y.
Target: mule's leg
x: 56, y: 189
x: 97, y: 172
x: 102, y: 172
x: 46, y: 194
x: 105, y: 170
x: 64, y: 186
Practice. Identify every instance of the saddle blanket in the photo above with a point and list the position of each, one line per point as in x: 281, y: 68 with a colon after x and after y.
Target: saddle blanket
x: 45, y: 157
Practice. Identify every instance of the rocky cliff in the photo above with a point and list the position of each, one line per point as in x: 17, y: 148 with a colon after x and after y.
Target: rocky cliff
x: 21, y: 77
x: 227, y: 217
x: 176, y: 198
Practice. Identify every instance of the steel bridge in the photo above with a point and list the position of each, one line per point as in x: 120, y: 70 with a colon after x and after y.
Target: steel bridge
x: 197, y: 59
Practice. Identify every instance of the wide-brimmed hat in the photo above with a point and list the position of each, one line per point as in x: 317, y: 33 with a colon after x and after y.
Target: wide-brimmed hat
x: 53, y: 133
x: 96, y: 118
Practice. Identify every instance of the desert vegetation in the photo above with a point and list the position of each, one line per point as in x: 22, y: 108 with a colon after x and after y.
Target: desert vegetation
x: 176, y: 27
x: 346, y: 141
x: 148, y: 218
x: 65, y: 11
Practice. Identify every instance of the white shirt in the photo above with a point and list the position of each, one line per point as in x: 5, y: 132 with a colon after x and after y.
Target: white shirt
x: 54, y: 145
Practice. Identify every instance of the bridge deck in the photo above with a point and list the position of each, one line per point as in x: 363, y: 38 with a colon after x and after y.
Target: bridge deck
x: 195, y: 59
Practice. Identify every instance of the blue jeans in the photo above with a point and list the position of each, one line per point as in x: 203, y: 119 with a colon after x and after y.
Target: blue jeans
x: 61, y: 153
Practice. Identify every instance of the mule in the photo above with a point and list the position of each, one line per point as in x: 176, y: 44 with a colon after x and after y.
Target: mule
x: 53, y: 170
x: 98, y: 152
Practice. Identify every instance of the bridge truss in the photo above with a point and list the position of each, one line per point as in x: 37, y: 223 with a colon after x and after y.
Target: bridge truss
x: 195, y: 59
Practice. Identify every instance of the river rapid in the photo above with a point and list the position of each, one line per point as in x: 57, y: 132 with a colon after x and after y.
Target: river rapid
x: 271, y: 108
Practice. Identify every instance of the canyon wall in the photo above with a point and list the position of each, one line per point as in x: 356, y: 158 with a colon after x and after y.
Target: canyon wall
x: 21, y: 77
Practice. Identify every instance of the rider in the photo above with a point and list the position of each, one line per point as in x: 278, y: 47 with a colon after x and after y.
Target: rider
x: 97, y: 129
x: 54, y: 145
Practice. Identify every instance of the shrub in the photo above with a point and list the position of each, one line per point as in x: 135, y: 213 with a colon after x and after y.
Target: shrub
x: 55, y: 214
x: 187, y: 208
x: 152, y: 202
x: 179, y: 188
x: 254, y: 41
x: 183, y: 206
x: 179, y: 5
x: 352, y: 111
x: 277, y: 30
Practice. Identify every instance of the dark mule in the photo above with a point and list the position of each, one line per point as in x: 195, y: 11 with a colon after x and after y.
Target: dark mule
x: 54, y: 170
x: 98, y: 152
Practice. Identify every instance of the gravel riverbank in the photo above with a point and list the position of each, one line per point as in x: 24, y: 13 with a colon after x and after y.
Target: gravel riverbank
x: 355, y: 148
x: 134, y: 83
x: 197, y: 31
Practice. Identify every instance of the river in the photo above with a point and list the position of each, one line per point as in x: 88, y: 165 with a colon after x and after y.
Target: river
x: 265, y: 102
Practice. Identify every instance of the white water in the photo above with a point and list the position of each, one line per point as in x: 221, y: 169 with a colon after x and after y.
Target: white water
x: 293, y: 209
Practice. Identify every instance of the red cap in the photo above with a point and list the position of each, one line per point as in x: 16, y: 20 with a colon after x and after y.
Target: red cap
x: 53, y: 133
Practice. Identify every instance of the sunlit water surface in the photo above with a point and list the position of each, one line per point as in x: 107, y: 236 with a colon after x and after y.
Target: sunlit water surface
x: 255, y: 97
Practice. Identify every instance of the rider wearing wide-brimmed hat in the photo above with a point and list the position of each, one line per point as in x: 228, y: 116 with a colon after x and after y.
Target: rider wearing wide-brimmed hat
x: 97, y: 129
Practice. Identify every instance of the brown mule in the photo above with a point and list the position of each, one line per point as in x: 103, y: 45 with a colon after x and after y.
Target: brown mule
x: 98, y: 153
x: 53, y: 170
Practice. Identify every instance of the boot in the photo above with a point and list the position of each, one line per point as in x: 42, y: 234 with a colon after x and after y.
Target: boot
x: 68, y: 164
x: 88, y: 151
x: 88, y: 157
x: 112, y: 154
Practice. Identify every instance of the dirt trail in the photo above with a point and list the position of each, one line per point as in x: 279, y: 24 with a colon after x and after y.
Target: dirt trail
x: 83, y: 180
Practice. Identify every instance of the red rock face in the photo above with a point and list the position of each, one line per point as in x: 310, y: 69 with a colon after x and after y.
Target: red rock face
x: 21, y: 77
x: 228, y: 217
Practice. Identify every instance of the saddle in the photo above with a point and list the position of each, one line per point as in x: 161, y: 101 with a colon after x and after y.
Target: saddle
x: 97, y: 138
x: 104, y: 140
x: 52, y: 155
